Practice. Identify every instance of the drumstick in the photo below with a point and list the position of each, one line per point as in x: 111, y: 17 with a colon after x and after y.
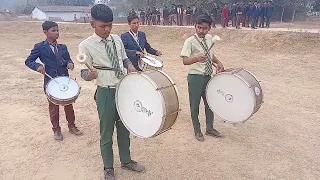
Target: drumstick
x: 214, y: 39
x: 51, y: 77
x: 82, y: 59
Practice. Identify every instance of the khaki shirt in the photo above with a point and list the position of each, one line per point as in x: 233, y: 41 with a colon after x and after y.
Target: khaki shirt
x: 96, y: 53
x: 192, y: 48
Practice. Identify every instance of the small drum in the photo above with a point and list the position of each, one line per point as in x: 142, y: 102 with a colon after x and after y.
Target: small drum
x: 62, y: 90
x: 234, y: 95
x: 149, y: 63
x: 147, y: 103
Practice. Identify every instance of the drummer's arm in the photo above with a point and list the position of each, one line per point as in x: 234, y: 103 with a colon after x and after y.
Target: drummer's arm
x: 149, y: 49
x: 31, y: 60
x: 215, y: 59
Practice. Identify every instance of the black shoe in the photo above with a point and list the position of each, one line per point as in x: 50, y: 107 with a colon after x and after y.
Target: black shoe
x: 108, y: 174
x: 58, y: 136
x: 214, y: 133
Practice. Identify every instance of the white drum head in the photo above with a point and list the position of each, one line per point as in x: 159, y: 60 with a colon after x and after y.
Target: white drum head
x: 64, y: 90
x: 152, y: 61
x: 140, y: 105
x: 230, y: 98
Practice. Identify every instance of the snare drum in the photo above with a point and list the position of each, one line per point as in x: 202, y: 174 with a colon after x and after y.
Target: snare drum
x: 147, y: 103
x: 62, y: 90
x: 234, y: 95
x: 149, y: 63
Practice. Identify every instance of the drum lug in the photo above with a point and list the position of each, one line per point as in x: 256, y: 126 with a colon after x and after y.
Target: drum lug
x: 161, y: 88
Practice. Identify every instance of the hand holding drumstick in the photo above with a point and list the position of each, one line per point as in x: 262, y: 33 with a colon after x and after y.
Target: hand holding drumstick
x: 92, y: 71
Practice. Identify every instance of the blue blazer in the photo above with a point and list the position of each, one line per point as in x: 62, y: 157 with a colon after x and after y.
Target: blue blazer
x: 132, y: 47
x: 54, y: 65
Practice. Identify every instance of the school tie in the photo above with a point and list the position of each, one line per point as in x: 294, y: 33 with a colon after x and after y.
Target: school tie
x: 114, y: 60
x: 55, y: 48
x: 208, y: 67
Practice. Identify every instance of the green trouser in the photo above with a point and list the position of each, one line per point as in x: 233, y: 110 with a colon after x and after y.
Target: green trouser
x: 108, y: 116
x: 197, y: 89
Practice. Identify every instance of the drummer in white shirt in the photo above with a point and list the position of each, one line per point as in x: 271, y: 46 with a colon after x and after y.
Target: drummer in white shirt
x: 135, y: 42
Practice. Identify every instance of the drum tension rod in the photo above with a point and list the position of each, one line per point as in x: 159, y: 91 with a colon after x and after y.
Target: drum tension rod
x: 164, y: 87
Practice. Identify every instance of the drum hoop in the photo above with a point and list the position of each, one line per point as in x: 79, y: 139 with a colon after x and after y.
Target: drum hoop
x: 159, y: 92
x: 52, y: 97
x: 252, y: 92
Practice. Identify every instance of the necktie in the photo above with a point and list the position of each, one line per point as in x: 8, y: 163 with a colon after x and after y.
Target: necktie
x: 112, y: 56
x: 208, y: 67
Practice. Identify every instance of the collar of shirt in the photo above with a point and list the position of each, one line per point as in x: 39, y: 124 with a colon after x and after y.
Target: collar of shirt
x: 99, y: 39
x: 201, y: 39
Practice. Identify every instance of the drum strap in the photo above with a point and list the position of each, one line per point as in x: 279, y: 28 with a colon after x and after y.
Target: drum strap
x: 105, y: 68
x: 131, y: 33
x: 205, y: 49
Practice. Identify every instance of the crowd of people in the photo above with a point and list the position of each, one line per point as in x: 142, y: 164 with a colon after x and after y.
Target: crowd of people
x: 252, y: 14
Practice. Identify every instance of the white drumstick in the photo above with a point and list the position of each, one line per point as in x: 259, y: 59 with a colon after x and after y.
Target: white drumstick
x: 51, y: 78
x: 82, y: 59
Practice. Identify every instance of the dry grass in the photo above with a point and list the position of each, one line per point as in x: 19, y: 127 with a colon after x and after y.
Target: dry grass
x: 280, y: 142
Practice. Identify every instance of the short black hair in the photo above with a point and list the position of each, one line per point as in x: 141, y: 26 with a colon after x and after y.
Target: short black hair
x: 102, y: 12
x: 204, y: 18
x: 48, y: 24
x: 131, y: 17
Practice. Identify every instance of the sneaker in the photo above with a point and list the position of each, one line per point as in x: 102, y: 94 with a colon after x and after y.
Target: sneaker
x: 58, y: 136
x: 133, y: 166
x: 75, y: 131
x: 199, y: 136
x: 214, y: 133
x: 108, y: 174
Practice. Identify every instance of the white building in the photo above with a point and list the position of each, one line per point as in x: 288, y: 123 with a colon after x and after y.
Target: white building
x: 61, y: 13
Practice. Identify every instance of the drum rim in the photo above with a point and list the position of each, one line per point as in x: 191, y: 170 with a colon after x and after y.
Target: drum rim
x: 52, y: 97
x: 163, y: 104
x: 141, y: 59
x: 252, y: 92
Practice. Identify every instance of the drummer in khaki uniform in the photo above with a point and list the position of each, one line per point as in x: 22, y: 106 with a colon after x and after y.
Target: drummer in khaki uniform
x: 104, y: 51
x: 200, y: 71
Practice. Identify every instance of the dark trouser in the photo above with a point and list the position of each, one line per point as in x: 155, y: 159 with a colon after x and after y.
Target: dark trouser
x: 196, y: 86
x: 268, y: 19
x: 254, y: 22
x: 109, y: 117
x: 238, y: 21
x: 213, y: 21
x: 225, y: 21
x: 188, y: 19
x: 247, y: 21
x: 54, y: 116
x: 234, y: 21
x: 261, y: 22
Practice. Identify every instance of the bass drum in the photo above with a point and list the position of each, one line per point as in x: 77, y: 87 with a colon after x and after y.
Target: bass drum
x: 147, y: 103
x: 234, y: 95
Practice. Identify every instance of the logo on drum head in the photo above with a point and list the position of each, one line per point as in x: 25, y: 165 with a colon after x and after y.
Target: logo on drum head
x: 229, y: 98
x: 139, y: 108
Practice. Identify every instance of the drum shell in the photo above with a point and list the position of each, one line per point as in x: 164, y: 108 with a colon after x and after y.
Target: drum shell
x: 170, y: 97
x: 147, y: 67
x: 62, y: 102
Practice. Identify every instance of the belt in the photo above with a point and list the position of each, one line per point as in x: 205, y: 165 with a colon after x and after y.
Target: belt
x: 105, y: 68
x: 108, y: 87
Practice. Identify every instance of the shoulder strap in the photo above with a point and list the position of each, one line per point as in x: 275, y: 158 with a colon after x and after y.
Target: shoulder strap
x: 205, y: 50
x: 135, y: 39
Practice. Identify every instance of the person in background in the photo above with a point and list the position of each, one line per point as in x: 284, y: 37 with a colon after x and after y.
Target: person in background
x: 269, y: 12
x: 225, y: 16
x: 262, y: 15
x: 214, y: 14
x: 254, y: 15
x: 56, y: 62
x: 103, y: 50
x: 248, y: 14
x: 189, y: 16
x: 233, y: 14
x: 165, y: 14
x: 143, y: 16
x: 239, y: 13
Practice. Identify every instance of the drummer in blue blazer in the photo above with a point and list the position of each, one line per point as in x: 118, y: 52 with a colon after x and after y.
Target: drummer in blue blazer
x: 135, y: 42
